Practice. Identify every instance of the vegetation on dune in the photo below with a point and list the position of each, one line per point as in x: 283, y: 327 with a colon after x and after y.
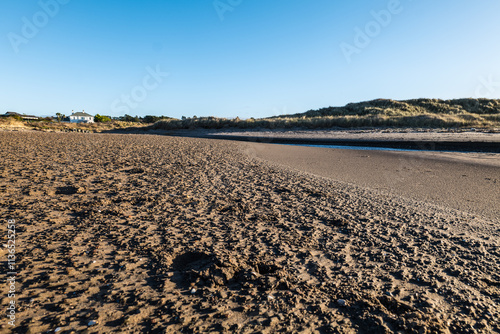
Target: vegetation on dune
x: 60, y: 123
x: 418, y: 113
x: 12, y: 123
x: 424, y: 113
x: 411, y: 108
x: 51, y: 125
x: 138, y: 119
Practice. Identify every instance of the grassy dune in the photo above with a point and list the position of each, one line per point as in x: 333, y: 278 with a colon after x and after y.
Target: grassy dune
x: 52, y: 126
x: 419, y: 113
x: 427, y: 113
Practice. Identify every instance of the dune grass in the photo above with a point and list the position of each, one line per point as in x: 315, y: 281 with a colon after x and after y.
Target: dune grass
x: 53, y: 126
x: 381, y: 113
x: 421, y: 113
x: 11, y: 123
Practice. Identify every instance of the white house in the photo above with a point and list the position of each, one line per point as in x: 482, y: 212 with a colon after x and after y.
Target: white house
x: 81, y: 117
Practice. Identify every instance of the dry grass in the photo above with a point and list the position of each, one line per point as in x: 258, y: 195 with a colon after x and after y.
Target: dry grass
x: 419, y: 113
x: 423, y: 113
x: 11, y: 123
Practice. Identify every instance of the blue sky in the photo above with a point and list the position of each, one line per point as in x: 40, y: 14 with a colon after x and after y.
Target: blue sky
x: 241, y: 58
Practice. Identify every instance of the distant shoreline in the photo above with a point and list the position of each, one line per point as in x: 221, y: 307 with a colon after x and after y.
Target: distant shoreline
x: 422, y: 141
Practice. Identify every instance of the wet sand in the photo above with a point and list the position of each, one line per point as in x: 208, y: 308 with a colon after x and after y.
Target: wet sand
x: 464, y: 181
x: 426, y: 135
x: 487, y: 141
x: 145, y: 233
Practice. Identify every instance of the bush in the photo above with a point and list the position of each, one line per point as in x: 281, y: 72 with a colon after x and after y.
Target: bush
x: 153, y: 119
x: 101, y: 119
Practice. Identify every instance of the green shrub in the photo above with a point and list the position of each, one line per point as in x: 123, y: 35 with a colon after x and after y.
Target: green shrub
x: 101, y: 119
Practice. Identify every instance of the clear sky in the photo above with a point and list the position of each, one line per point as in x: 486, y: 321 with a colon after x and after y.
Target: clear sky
x: 241, y: 58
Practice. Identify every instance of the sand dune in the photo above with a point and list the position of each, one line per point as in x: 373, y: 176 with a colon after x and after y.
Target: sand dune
x: 144, y: 233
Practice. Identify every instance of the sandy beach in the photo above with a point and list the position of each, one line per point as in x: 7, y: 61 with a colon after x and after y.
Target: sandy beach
x: 468, y: 182
x: 128, y: 233
x: 455, y: 135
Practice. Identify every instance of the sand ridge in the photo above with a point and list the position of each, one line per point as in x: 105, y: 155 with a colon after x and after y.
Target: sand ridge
x: 160, y: 234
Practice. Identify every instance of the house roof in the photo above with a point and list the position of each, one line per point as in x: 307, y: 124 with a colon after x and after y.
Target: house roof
x: 80, y: 114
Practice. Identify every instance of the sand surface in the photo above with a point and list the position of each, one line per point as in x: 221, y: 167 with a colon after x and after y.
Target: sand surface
x: 389, y: 134
x: 464, y: 181
x: 486, y: 141
x: 145, y: 233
